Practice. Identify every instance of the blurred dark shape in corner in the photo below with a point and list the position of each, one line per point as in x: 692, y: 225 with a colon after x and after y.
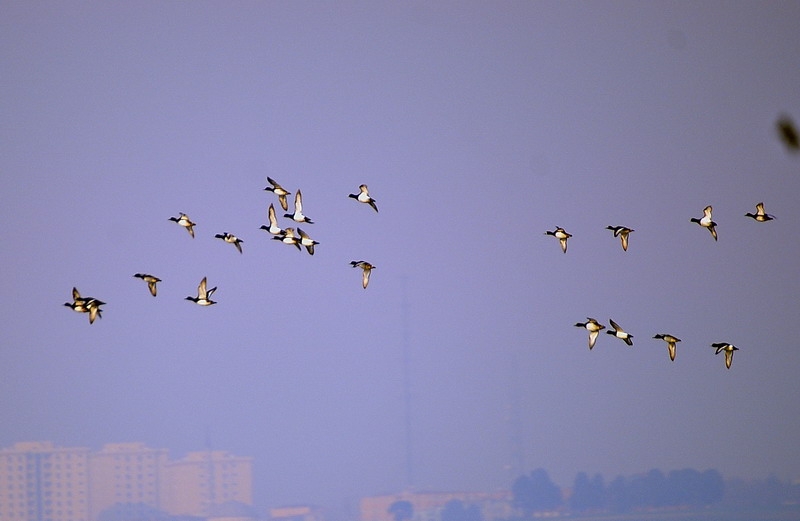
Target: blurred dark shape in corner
x: 788, y: 133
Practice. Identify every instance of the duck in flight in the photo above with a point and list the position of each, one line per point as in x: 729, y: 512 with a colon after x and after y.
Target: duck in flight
x: 728, y: 349
x: 288, y: 237
x: 594, y: 328
x: 183, y: 220
x: 760, y: 215
x: 273, y: 227
x: 622, y: 232
x: 298, y: 216
x: 561, y: 235
x: 706, y: 221
x: 671, y: 343
x: 151, y: 281
x: 620, y: 333
x: 78, y: 305
x: 230, y: 239
x: 367, y: 270
x: 89, y: 305
x: 278, y: 190
x: 306, y: 241
x: 203, y: 297
x: 363, y: 197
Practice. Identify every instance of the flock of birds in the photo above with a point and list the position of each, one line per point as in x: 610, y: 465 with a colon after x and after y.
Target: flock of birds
x: 300, y: 239
x: 594, y: 327
x: 623, y: 232
x: 791, y: 138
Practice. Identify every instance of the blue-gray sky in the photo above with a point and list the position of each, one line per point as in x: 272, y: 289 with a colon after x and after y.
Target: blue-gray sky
x: 477, y: 126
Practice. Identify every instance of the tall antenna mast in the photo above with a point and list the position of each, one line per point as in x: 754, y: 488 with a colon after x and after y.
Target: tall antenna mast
x: 516, y: 465
x: 409, y: 478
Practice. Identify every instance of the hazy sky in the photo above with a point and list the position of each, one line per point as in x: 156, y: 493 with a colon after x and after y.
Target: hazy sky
x: 477, y: 126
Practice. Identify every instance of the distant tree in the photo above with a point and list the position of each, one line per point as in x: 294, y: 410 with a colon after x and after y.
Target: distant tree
x: 648, y: 490
x: 618, y: 496
x: 455, y: 510
x: 521, y: 493
x: 587, y: 494
x: 581, y: 498
x: 656, y: 489
x: 599, y: 488
x: 535, y: 492
x: 712, y: 487
x: 685, y: 487
x: 401, y: 510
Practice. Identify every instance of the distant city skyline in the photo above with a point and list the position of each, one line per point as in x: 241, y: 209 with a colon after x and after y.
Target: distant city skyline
x: 41, y: 481
x: 477, y: 127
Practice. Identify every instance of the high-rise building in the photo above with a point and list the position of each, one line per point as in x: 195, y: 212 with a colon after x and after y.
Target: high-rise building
x: 128, y: 473
x: 41, y: 482
x: 203, y: 479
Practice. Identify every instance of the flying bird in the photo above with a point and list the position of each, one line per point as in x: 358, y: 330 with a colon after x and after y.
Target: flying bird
x: 89, y: 305
x: 307, y: 241
x: 78, y: 305
x: 788, y: 133
x: 273, y: 227
x: 183, y: 220
x: 93, y: 306
x: 203, y: 297
x: 82, y: 304
x: 367, y: 270
x: 728, y: 348
x: 561, y: 235
x: 298, y: 216
x: 278, y: 190
x: 288, y: 237
x: 671, y: 343
x: 621, y: 232
x: 760, y: 215
x: 151, y: 281
x: 230, y: 239
x: 363, y: 197
x: 706, y: 221
x: 620, y: 333
x: 594, y: 328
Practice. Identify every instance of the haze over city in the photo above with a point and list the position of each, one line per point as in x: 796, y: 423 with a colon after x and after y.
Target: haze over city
x: 478, y: 126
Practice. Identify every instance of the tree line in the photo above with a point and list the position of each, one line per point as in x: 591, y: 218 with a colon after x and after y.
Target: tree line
x: 535, y: 492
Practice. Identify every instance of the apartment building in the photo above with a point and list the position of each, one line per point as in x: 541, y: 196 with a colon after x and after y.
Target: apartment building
x: 42, y: 482
x: 129, y: 473
x: 204, y: 479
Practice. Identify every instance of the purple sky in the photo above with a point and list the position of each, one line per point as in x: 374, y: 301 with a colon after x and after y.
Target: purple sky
x: 477, y: 126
